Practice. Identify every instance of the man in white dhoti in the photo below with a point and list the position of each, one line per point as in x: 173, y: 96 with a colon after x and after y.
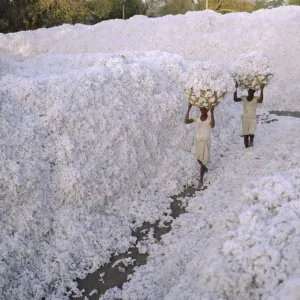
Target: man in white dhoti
x: 249, y: 113
x: 204, y: 123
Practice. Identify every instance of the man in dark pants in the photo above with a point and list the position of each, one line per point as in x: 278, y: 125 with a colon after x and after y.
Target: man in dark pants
x: 249, y: 113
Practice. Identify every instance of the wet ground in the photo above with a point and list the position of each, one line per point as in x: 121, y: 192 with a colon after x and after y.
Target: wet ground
x: 295, y: 114
x: 115, y: 274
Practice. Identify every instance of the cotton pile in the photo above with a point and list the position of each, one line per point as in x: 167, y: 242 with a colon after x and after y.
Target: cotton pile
x: 204, y: 35
x: 90, y: 149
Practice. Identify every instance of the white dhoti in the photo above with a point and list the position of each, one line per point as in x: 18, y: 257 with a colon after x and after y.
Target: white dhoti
x: 249, y: 125
x: 249, y: 115
x: 203, y: 151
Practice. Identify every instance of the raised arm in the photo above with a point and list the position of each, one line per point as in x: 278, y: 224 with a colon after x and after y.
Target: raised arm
x: 212, y: 120
x: 235, y: 97
x: 187, y: 119
x: 261, y: 97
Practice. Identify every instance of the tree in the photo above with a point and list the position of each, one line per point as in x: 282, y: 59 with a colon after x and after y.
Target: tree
x: 33, y: 14
x: 99, y: 9
x: 268, y: 3
x: 150, y: 7
x: 225, y: 6
x: 294, y: 2
x: 5, y: 11
x: 237, y: 6
x: 18, y: 15
x: 210, y: 4
x: 47, y: 13
x: 174, y: 7
x: 131, y: 8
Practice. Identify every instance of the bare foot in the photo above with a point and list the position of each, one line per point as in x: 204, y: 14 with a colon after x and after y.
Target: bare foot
x: 200, y: 184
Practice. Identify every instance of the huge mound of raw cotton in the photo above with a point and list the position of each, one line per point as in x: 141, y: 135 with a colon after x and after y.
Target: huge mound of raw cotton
x: 90, y: 144
x: 197, y: 35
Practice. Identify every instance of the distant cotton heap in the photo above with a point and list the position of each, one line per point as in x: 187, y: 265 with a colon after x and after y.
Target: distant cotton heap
x: 204, y: 35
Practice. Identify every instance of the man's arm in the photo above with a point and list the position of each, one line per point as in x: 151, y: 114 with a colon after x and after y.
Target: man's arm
x: 212, y: 120
x: 261, y: 97
x: 187, y: 119
x: 235, y: 97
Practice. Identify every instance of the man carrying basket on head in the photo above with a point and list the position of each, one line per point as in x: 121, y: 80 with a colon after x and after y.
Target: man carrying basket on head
x: 204, y: 123
x: 249, y: 113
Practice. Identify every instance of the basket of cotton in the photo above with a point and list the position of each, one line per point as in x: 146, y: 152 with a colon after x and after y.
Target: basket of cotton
x: 206, y: 83
x: 252, y: 70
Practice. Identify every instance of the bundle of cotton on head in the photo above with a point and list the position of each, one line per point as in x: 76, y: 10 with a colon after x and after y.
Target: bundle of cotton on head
x: 252, y: 70
x: 206, y: 83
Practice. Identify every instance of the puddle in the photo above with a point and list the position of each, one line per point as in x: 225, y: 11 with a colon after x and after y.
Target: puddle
x: 111, y: 275
x: 295, y: 114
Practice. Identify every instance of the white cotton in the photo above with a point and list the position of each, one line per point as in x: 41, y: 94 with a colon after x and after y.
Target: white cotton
x: 206, y: 83
x: 252, y: 69
x: 290, y: 289
x: 93, y: 292
x: 197, y: 35
x: 91, y: 144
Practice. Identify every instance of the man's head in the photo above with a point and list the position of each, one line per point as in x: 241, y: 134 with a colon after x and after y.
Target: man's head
x: 203, y: 111
x: 251, y: 92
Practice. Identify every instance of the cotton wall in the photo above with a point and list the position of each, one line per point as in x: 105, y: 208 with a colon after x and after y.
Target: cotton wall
x: 90, y: 144
x: 196, y: 35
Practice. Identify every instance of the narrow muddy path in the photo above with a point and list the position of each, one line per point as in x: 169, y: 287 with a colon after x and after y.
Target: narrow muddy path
x: 118, y: 270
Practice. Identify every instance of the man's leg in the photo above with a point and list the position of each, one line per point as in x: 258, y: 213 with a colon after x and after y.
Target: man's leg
x: 251, y: 140
x: 203, y: 169
x: 252, y: 129
x: 246, y: 132
x: 246, y: 140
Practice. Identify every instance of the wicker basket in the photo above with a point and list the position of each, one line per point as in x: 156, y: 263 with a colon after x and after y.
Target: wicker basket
x: 207, y: 98
x: 247, y: 81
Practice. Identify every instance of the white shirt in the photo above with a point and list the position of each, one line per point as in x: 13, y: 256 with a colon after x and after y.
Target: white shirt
x: 203, y: 128
x: 249, y: 107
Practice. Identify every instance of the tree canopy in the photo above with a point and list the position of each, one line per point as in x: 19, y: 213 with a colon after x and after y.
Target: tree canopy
x: 16, y: 15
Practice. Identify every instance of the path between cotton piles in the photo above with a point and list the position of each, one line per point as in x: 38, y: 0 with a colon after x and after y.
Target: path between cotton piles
x: 213, y: 212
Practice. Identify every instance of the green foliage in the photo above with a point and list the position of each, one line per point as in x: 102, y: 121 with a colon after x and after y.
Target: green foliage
x: 226, y: 6
x: 18, y: 15
x: 49, y: 13
x: 131, y: 8
x: 268, y: 4
x: 294, y: 2
x: 237, y: 6
x: 32, y: 14
x: 259, y: 4
x: 174, y: 7
x: 99, y: 9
